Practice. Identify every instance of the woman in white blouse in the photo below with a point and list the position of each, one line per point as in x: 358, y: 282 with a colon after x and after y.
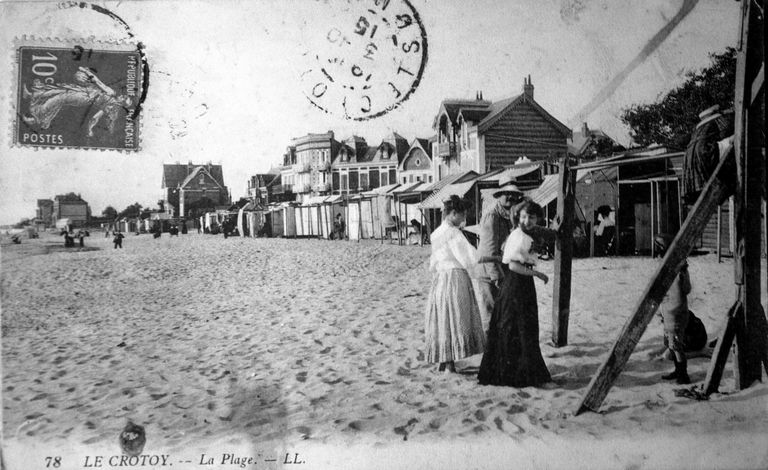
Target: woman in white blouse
x: 453, y: 329
x: 513, y: 356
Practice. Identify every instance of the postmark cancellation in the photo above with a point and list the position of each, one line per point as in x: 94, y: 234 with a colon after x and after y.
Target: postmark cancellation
x: 77, y: 94
x: 367, y: 61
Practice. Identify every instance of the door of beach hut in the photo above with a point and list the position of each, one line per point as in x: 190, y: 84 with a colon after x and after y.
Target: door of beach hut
x: 314, y: 221
x: 298, y: 218
x: 366, y: 219
x: 353, y: 225
x: 305, y: 221
x: 289, y: 221
x: 276, y: 220
x: 325, y: 226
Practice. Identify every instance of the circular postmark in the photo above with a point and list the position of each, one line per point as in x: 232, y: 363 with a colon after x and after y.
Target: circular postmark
x: 368, y: 61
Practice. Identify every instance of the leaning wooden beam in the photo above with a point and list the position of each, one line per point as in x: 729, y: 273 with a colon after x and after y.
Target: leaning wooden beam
x: 561, y: 296
x: 722, y: 348
x: 633, y: 329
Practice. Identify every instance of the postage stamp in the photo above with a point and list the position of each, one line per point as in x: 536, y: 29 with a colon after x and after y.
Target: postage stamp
x: 81, y: 95
x: 369, y: 62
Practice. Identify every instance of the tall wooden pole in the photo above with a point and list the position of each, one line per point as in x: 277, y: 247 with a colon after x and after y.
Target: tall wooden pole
x: 561, y: 297
x: 749, y: 145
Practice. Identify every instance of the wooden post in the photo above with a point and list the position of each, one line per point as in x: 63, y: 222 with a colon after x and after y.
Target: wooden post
x: 635, y: 326
x: 561, y: 296
x: 421, y: 217
x: 592, y: 217
x: 751, y: 342
x: 719, y: 229
x: 722, y: 348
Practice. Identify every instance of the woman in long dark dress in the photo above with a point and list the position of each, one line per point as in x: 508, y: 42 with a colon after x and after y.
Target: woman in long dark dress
x: 512, y: 354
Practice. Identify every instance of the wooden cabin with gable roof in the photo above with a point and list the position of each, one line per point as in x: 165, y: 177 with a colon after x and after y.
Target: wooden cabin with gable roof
x: 484, y: 136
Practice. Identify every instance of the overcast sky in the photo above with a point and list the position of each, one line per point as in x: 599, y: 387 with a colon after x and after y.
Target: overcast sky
x: 225, y: 80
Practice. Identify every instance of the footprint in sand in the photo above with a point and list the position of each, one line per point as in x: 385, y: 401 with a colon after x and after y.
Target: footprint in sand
x: 507, y: 426
x: 406, y: 429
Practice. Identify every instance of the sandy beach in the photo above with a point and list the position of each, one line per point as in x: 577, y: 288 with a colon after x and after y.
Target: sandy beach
x: 264, y: 347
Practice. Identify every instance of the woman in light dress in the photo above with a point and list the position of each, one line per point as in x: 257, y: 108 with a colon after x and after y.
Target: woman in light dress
x: 453, y: 328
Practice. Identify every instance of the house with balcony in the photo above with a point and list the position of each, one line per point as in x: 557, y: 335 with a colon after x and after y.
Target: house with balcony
x: 482, y: 136
x: 189, y: 187
x: 267, y: 188
x: 358, y: 167
x: 306, y: 169
x: 417, y: 164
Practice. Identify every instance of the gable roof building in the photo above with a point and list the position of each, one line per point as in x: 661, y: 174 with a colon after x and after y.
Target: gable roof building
x: 357, y: 167
x: 190, y: 184
x: 482, y: 136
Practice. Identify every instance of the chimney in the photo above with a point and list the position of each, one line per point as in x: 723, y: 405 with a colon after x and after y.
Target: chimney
x: 584, y: 130
x: 477, y: 96
x: 528, y: 88
x: 481, y: 95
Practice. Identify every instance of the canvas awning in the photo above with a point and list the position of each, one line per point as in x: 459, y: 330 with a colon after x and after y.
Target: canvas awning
x: 382, y: 190
x: 545, y: 193
x: 333, y: 199
x: 436, y: 199
x: 314, y: 200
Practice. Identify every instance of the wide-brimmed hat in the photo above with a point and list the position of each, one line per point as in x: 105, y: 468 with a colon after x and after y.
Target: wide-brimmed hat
x: 507, y: 186
x: 709, y: 111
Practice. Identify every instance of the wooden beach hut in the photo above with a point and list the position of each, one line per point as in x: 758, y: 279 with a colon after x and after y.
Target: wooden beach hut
x: 289, y: 220
x: 331, y: 206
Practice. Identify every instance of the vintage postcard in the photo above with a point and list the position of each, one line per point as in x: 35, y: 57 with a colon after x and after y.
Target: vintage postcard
x: 382, y: 234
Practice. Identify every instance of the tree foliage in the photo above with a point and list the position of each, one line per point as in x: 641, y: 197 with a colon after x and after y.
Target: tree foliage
x: 671, y: 120
x: 134, y: 210
x: 109, y: 213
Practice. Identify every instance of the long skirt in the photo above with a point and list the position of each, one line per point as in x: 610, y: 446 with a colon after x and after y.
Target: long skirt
x: 452, y: 325
x: 513, y: 356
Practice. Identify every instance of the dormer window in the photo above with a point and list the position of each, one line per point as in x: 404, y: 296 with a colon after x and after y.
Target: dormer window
x: 201, y: 180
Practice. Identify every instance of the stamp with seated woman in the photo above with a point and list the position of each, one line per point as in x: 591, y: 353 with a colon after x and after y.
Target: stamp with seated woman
x: 78, y: 96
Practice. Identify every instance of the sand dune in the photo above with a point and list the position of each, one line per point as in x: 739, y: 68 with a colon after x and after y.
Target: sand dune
x: 265, y: 345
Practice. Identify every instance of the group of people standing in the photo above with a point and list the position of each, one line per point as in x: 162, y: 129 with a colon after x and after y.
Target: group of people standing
x: 484, y: 300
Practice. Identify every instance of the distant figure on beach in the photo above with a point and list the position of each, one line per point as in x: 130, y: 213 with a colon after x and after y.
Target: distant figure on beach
x: 81, y: 237
x: 118, y: 240
x: 675, y: 316
x: 513, y: 355
x: 339, y: 227
x: 69, y: 240
x: 452, y: 325
x: 495, y: 226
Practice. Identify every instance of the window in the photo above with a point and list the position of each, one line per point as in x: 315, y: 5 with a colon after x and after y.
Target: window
x: 202, y: 180
x: 364, y: 180
x: 405, y: 180
x: 418, y: 179
x: 410, y: 178
x: 344, y: 182
x: 384, y: 179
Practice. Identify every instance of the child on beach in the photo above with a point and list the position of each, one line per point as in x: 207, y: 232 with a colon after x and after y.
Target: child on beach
x: 513, y: 355
x: 453, y: 329
x: 675, y: 316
